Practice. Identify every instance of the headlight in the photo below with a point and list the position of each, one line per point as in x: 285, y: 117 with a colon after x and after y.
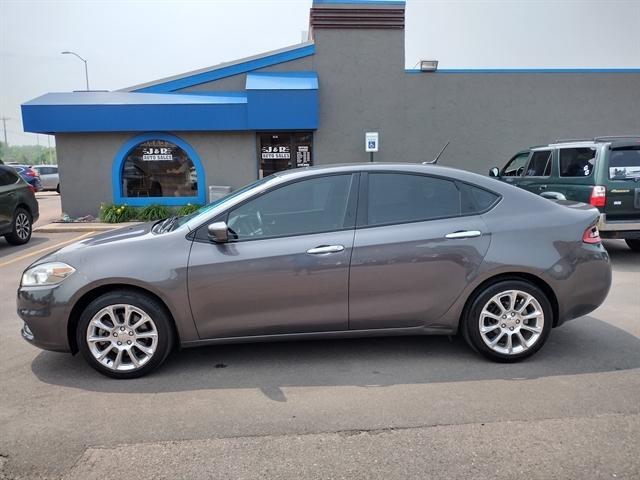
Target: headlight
x: 46, y: 274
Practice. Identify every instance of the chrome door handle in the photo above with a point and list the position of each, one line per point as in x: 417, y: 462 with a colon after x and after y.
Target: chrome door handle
x: 464, y: 234
x: 324, y: 249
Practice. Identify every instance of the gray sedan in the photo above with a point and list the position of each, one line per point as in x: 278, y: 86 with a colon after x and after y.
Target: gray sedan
x: 327, y: 252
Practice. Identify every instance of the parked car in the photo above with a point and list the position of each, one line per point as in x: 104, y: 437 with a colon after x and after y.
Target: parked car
x: 604, y: 172
x: 324, y: 252
x: 29, y: 175
x: 48, y: 176
x: 18, y: 207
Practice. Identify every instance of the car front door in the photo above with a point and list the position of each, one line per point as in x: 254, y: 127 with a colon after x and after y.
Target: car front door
x: 8, y: 199
x: 416, y: 247
x: 286, y: 266
x: 514, y: 169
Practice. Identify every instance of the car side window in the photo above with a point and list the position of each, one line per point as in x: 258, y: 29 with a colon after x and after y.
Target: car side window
x: 577, y: 162
x: 7, y: 178
x: 309, y: 206
x: 540, y: 164
x: 476, y: 199
x: 515, y: 166
x: 403, y: 198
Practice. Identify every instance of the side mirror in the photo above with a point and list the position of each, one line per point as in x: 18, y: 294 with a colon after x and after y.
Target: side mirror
x: 494, y: 172
x: 218, y: 232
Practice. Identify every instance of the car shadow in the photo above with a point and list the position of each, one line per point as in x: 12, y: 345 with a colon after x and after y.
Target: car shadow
x: 623, y: 259
x: 7, y: 249
x: 585, y: 345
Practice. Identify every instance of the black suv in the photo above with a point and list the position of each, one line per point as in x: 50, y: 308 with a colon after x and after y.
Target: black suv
x: 18, y: 207
x: 604, y: 171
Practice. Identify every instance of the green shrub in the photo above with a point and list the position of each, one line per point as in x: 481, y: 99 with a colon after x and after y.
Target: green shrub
x: 111, y: 213
x: 187, y: 209
x: 153, y: 212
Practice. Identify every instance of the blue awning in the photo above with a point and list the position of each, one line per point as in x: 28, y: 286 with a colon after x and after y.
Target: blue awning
x: 286, y: 100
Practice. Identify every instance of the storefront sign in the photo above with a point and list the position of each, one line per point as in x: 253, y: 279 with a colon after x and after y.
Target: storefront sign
x: 154, y: 154
x: 303, y: 156
x: 278, y: 151
x: 371, y: 142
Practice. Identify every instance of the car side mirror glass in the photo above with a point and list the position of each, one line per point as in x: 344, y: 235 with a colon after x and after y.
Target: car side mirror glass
x: 218, y: 232
x: 494, y: 172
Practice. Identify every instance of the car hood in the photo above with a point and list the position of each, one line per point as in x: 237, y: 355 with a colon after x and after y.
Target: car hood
x: 122, y: 237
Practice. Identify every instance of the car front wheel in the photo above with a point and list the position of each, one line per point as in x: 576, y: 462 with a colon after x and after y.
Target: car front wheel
x: 634, y: 244
x: 124, y: 334
x: 508, y: 321
x: 21, y: 227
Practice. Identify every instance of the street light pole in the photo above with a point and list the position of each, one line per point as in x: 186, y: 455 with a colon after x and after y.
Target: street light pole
x: 86, y: 70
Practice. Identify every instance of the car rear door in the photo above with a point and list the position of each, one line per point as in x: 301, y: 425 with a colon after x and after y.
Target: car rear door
x: 622, y: 179
x: 8, y: 198
x: 537, y: 173
x: 413, y: 252
x: 287, y: 268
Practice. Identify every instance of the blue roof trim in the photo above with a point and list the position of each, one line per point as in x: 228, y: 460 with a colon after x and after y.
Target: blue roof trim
x: 528, y: 70
x: 359, y: 2
x: 282, y: 102
x: 282, y: 81
x: 235, y: 69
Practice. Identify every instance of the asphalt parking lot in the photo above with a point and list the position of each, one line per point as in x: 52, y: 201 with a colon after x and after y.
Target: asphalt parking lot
x: 375, y: 408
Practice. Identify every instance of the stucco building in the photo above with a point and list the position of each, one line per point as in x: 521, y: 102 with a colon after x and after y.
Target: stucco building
x: 168, y: 141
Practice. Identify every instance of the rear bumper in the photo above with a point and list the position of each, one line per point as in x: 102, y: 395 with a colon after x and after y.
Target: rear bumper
x: 618, y: 228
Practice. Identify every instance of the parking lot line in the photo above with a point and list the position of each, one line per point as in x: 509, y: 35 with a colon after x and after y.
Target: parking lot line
x: 59, y: 244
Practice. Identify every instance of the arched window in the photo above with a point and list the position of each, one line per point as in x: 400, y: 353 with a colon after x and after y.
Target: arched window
x: 157, y: 168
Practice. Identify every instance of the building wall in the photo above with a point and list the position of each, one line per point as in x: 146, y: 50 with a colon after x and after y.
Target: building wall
x: 486, y: 117
x: 85, y: 162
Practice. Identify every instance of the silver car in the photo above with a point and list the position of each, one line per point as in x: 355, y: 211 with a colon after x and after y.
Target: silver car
x: 48, y: 176
x: 326, y: 252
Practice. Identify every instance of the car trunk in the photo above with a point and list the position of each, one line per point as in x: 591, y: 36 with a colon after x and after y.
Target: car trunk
x: 623, y: 183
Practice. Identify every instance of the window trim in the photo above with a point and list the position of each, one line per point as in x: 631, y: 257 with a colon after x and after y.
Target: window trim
x: 363, y: 202
x: 533, y: 152
x: 352, y: 206
x: 121, y: 156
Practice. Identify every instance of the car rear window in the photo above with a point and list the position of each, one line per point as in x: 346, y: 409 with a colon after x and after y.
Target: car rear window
x: 624, y: 163
x: 577, y: 162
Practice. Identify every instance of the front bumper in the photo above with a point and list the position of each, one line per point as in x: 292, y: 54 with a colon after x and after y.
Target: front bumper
x: 45, y: 318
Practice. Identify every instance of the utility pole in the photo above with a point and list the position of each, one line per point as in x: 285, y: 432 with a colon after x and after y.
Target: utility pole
x: 4, y: 127
x: 49, y: 144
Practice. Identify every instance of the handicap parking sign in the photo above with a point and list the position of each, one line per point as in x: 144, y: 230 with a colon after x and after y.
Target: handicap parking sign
x: 371, y: 142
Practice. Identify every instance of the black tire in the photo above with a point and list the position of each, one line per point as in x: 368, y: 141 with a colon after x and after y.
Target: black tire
x: 159, y: 315
x: 21, y: 219
x: 58, y: 188
x: 471, y: 321
x: 634, y: 244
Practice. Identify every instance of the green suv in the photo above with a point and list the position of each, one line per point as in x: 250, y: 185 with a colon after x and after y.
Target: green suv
x: 604, y: 172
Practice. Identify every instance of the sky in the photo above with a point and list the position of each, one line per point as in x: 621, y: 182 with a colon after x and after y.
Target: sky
x: 131, y: 42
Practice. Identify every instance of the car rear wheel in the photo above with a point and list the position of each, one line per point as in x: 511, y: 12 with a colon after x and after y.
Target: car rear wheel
x: 508, y: 321
x: 634, y: 244
x: 21, y: 227
x: 124, y: 334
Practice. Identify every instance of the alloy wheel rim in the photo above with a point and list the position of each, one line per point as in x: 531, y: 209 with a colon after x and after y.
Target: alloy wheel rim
x: 511, y: 322
x: 122, y: 337
x: 22, y: 226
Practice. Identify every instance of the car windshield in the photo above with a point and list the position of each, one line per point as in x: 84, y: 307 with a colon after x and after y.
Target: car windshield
x: 624, y: 164
x: 216, y: 203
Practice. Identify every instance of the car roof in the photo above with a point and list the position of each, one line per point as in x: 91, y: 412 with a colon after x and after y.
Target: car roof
x: 614, y: 141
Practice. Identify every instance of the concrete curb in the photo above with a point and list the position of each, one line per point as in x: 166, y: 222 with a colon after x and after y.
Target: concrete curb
x: 82, y: 227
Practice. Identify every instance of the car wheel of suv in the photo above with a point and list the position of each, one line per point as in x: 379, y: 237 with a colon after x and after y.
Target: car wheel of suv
x: 508, y: 321
x: 21, y: 227
x: 124, y: 334
x: 634, y: 244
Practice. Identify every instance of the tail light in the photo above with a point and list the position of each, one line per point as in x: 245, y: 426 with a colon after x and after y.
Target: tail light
x: 591, y: 235
x: 30, y: 172
x: 31, y: 187
x: 598, y: 196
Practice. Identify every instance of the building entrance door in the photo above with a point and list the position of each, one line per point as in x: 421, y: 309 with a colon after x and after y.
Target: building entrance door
x: 284, y: 150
